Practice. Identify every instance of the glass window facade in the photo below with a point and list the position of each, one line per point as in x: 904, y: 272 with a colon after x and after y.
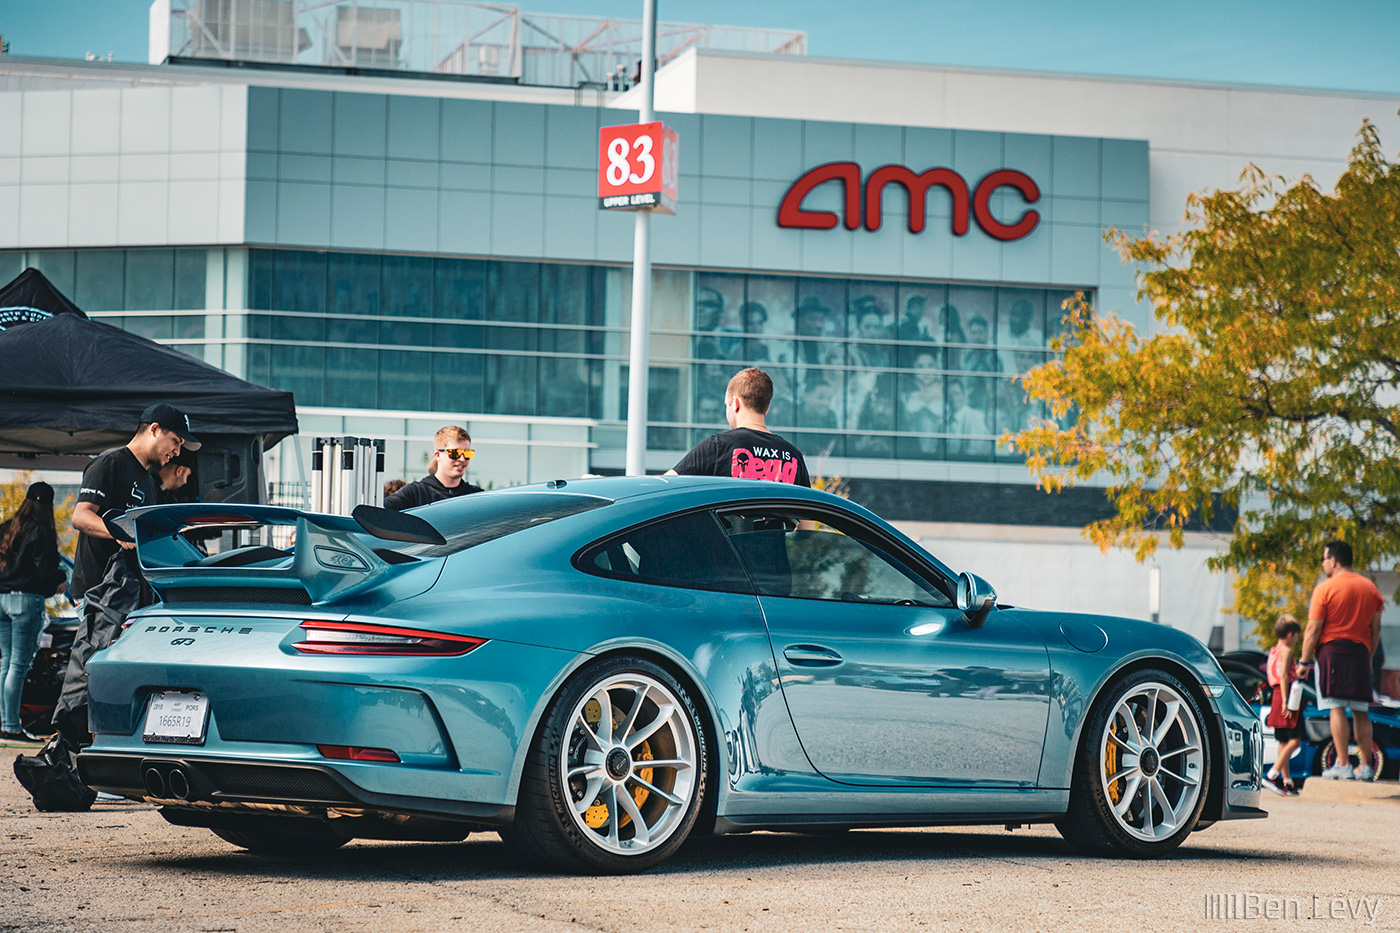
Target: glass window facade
x: 152, y: 287
x: 866, y: 369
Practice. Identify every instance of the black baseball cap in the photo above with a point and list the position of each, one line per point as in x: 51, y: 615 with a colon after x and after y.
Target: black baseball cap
x: 173, y: 420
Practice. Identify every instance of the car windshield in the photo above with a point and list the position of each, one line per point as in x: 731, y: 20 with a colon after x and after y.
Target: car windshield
x: 471, y: 520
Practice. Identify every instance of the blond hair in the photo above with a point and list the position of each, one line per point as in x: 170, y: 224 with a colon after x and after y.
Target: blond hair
x: 451, y: 434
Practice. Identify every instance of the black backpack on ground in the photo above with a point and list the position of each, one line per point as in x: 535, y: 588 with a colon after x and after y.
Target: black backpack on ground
x: 51, y: 777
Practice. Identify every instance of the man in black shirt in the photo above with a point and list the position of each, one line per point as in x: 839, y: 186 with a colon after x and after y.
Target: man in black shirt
x: 120, y: 479
x: 172, y: 479
x: 748, y: 450
x: 451, y: 454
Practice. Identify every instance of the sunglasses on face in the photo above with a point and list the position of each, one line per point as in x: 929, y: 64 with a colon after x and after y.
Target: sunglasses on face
x: 456, y: 454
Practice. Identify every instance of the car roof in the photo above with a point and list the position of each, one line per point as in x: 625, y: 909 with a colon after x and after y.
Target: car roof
x: 617, y: 488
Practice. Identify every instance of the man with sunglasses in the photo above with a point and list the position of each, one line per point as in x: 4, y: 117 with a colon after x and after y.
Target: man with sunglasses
x: 452, y: 454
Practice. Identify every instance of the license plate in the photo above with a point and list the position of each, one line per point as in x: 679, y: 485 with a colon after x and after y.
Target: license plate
x: 176, y: 717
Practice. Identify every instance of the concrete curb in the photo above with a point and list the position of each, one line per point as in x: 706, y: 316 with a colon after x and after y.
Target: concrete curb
x: 1318, y: 789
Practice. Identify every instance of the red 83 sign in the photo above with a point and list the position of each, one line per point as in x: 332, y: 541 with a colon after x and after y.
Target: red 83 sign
x: 637, y: 167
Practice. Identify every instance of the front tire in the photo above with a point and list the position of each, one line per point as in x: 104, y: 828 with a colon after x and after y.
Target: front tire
x: 1141, y: 771
x: 615, y: 778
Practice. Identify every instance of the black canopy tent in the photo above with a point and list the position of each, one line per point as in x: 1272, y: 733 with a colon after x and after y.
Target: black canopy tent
x: 71, y: 387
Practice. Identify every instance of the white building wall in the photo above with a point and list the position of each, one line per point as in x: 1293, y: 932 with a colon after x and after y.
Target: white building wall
x: 1056, y: 569
x: 135, y: 166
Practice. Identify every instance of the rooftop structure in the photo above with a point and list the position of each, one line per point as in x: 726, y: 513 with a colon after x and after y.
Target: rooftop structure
x: 444, y: 37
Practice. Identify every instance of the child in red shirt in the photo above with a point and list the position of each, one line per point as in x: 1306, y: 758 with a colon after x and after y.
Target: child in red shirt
x: 1287, y: 723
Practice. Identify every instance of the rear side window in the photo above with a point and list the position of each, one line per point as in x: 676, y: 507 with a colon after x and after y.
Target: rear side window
x: 472, y: 520
x: 820, y: 557
x: 688, y: 551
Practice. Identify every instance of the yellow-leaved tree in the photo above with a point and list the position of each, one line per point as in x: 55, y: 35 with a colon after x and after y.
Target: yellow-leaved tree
x: 1271, y: 385
x: 12, y: 494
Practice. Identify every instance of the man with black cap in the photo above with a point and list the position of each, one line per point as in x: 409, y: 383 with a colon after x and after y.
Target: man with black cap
x: 113, y: 482
x: 121, y: 479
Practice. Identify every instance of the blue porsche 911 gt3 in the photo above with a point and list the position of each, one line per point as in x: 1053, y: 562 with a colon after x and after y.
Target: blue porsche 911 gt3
x: 598, y: 669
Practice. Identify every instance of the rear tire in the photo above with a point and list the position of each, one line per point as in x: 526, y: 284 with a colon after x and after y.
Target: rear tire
x: 1141, y: 771
x: 282, y: 836
x: 614, y: 781
x: 1327, y: 757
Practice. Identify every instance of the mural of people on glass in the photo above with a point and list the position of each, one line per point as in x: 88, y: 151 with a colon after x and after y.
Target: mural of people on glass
x: 712, y: 340
x: 812, y: 325
x: 875, y: 421
x: 862, y: 367
x: 752, y: 350
x: 1020, y: 338
x: 869, y: 322
x: 920, y: 325
x: 921, y: 409
x: 1020, y: 325
x: 816, y: 413
x: 967, y: 427
x: 869, y: 349
x: 981, y: 362
x: 782, y: 411
x: 717, y: 298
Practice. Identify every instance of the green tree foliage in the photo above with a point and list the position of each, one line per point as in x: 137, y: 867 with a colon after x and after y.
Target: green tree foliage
x: 1272, y: 384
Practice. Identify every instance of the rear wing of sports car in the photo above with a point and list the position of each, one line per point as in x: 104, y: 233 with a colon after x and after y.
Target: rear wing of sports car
x: 233, y: 552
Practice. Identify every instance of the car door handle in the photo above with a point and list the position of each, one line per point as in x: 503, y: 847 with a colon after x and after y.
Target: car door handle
x: 811, y: 655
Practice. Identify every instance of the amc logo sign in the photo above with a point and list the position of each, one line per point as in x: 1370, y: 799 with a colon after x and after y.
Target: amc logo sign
x: 975, y: 202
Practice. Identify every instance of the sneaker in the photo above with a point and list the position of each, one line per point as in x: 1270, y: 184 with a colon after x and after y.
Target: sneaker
x: 1271, y: 783
x: 1290, y: 790
x: 1365, y: 773
x: 105, y: 797
x: 1339, y: 773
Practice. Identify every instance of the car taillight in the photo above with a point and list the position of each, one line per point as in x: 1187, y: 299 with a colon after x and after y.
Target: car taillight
x: 117, y: 634
x: 325, y: 637
x: 356, y: 753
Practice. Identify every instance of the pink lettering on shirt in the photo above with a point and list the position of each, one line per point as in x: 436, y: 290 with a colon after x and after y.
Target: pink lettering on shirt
x: 745, y: 464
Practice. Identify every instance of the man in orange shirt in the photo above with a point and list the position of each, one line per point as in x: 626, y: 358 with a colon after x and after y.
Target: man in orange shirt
x: 1344, y: 625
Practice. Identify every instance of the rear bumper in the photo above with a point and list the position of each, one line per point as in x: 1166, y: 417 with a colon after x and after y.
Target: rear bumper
x: 203, y: 783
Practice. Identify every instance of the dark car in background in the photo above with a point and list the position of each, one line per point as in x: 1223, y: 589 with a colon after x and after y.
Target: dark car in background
x: 1246, y: 671
x: 45, y: 680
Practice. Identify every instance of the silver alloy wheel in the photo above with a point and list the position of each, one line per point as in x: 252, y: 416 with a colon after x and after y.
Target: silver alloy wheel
x: 631, y: 764
x: 1151, y: 761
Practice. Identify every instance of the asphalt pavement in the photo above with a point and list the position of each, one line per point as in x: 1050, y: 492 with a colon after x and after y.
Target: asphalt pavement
x: 1325, y: 861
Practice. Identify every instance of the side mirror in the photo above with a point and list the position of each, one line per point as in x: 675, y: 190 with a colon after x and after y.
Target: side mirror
x: 976, y: 598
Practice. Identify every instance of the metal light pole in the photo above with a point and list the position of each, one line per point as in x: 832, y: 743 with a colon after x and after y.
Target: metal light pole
x: 1154, y: 592
x: 639, y: 357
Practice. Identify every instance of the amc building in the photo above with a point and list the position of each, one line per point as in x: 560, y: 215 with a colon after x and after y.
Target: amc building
x: 892, y: 243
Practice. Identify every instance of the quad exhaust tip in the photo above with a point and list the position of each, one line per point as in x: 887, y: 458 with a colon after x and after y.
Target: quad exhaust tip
x: 174, y: 783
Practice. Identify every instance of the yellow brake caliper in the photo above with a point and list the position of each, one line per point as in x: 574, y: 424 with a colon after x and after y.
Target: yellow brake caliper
x: 1110, y: 763
x: 596, y: 816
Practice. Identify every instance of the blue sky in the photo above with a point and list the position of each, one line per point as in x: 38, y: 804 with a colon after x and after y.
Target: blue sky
x: 1342, y: 44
